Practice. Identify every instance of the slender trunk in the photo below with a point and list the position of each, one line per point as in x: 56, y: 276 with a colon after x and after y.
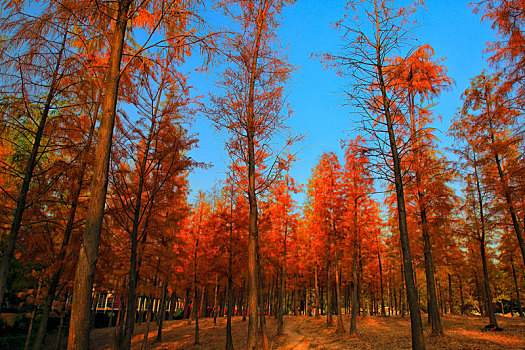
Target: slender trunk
x: 244, y: 301
x: 87, y: 261
x: 450, y: 299
x: 195, y: 306
x: 215, y: 299
x: 32, y: 161
x: 119, y: 327
x: 162, y: 310
x: 29, y: 330
x: 61, y: 326
x: 186, y: 311
x: 149, y: 316
x: 283, y: 286
x: 137, y: 211
x: 381, y: 281
x: 229, y: 339
x: 317, y: 294
x: 172, y: 306
x: 202, y: 306
x: 520, y: 310
x: 262, y: 332
x: 488, y: 294
x: 280, y: 310
x: 328, y: 293
x: 433, y: 311
x: 418, y: 340
x: 461, y: 296
x: 340, y: 327
x: 353, y: 319
x: 253, y: 271
x: 481, y: 295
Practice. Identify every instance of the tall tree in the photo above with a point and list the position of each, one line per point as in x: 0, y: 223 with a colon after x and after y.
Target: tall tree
x: 419, y: 80
x: 376, y: 32
x: 489, y: 120
x: 252, y: 112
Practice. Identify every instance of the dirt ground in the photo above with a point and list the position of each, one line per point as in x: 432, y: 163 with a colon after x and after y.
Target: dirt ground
x: 301, y: 332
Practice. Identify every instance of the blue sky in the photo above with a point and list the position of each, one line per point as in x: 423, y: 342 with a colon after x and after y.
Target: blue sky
x: 449, y: 26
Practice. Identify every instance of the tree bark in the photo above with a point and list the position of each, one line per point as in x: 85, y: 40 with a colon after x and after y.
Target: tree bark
x: 87, y: 261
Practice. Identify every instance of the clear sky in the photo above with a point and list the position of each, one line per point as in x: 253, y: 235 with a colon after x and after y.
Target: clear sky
x: 449, y: 26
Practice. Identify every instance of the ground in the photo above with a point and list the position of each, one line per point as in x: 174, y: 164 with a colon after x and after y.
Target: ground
x: 301, y: 332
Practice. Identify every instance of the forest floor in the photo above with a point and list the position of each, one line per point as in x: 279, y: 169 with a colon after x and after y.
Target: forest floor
x: 301, y: 332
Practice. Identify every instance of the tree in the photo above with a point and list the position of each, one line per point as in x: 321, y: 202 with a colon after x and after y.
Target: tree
x: 507, y: 17
x: 357, y: 189
x: 251, y: 112
x: 419, y: 80
x: 326, y: 193
x: 476, y: 196
x: 155, y: 145
x: 379, y: 31
x: 283, y: 217
x: 487, y: 119
x: 31, y: 91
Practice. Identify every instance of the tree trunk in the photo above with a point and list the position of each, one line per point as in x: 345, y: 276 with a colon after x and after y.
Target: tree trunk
x: 381, y: 281
x: 262, y: 332
x: 87, y: 261
x: 317, y: 294
x: 253, y: 272
x: 172, y: 306
x: 202, y: 312
x: 162, y: 310
x: 149, y: 317
x: 461, y: 296
x: 280, y: 310
x: 187, y: 303
x: 418, y: 340
x: 328, y: 293
x: 229, y: 339
x: 520, y: 310
x: 450, y: 299
x: 215, y: 295
x: 244, y: 301
x: 433, y: 311
x: 60, y: 326
x: 488, y: 294
x: 340, y: 327
x: 353, y: 319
